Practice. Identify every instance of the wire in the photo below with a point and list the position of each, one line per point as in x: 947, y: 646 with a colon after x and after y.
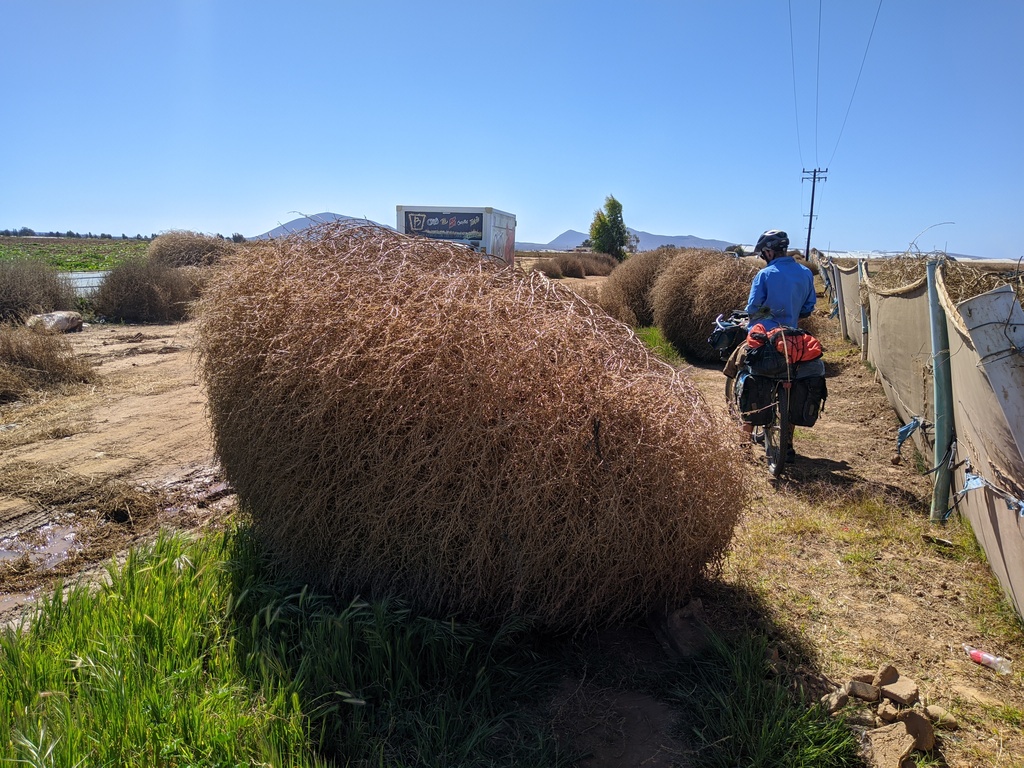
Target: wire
x: 859, y: 72
x: 792, y: 61
x: 817, y: 87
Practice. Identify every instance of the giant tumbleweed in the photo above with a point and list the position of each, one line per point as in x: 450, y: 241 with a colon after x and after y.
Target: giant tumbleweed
x: 399, y: 417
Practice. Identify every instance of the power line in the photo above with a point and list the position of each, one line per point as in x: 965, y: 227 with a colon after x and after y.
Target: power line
x: 817, y: 88
x: 792, y: 61
x: 861, y: 70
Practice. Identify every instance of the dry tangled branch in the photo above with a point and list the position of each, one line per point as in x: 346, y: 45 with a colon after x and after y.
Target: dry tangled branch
x: 399, y: 417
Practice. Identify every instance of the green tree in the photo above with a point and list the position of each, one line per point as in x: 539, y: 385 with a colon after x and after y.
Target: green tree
x: 608, y: 232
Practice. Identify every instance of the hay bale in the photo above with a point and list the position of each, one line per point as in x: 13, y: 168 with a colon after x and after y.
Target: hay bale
x: 626, y: 295
x: 399, y: 418
x: 692, y: 291
x: 182, y: 248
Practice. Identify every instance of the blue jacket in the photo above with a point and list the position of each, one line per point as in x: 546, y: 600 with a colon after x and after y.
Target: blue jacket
x: 784, y: 290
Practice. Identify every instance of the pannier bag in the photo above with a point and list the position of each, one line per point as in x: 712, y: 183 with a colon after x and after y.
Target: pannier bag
x: 754, y: 394
x: 765, y: 360
x: 806, y: 399
x: 725, y: 340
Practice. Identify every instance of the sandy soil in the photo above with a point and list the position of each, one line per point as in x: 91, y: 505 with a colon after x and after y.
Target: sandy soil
x: 143, y: 426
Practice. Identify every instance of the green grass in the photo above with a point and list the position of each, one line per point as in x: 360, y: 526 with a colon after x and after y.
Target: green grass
x: 194, y: 653
x: 73, y: 254
x: 654, y: 339
x: 192, y: 656
x: 740, y: 714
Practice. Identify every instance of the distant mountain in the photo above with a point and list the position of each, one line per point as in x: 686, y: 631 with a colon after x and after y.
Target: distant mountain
x: 648, y: 242
x: 298, y: 225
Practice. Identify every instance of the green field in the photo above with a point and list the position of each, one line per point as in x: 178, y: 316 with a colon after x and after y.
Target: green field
x: 73, y: 254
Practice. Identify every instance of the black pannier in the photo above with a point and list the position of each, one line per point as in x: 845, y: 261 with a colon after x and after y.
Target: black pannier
x: 806, y: 399
x: 755, y: 395
x: 766, y: 360
x: 725, y: 340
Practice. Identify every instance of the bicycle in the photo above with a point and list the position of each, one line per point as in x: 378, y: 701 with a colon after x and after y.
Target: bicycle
x: 768, y: 404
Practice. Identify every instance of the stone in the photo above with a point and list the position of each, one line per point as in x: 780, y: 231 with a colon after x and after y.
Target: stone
x: 834, y: 701
x: 890, y: 745
x: 941, y: 718
x: 920, y: 727
x: 887, y: 711
x: 864, y: 677
x: 863, y: 691
x: 686, y: 630
x: 885, y: 675
x: 903, y: 692
x: 58, y: 322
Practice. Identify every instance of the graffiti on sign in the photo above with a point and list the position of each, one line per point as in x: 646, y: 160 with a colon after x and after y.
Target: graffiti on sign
x: 445, y: 226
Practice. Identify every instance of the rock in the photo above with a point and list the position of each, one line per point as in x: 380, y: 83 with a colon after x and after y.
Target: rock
x: 59, y: 322
x: 903, y: 692
x: 864, y: 677
x: 941, y: 718
x: 885, y: 675
x: 686, y: 632
x: 890, y: 745
x: 863, y: 691
x: 920, y: 727
x: 888, y: 712
x: 835, y: 701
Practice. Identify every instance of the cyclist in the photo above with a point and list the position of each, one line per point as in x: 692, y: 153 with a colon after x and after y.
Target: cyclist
x: 782, y: 293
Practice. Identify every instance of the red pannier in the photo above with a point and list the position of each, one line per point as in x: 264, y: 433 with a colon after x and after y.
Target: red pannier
x: 796, y: 344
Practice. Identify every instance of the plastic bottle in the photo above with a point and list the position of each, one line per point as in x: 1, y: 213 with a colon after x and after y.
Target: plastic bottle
x: 998, y: 663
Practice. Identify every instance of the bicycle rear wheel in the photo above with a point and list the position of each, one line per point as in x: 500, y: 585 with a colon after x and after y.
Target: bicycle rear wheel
x: 776, y: 434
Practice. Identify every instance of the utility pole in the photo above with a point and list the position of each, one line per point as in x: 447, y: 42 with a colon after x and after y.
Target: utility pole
x: 816, y: 174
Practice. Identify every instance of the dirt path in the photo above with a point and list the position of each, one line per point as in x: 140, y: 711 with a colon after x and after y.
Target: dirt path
x: 72, y: 462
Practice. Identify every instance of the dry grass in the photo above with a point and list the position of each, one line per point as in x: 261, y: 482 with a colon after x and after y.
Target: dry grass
x: 966, y: 280
x: 696, y: 287
x: 400, y: 418
x: 30, y: 286
x: 627, y: 294
x: 146, y: 291
x: 963, y: 280
x: 31, y: 359
x: 181, y: 248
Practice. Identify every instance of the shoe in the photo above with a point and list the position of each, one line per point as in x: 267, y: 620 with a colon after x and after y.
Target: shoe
x: 790, y: 456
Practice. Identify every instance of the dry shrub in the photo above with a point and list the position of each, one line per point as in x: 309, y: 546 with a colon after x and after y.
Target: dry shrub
x: 181, y: 248
x: 146, y: 291
x: 898, y: 272
x: 696, y: 287
x: 31, y: 286
x: 811, y: 265
x: 579, y: 265
x: 596, y: 264
x: 549, y: 268
x: 400, y: 418
x: 626, y: 295
x: 31, y: 359
x: 966, y: 280
x: 572, y: 266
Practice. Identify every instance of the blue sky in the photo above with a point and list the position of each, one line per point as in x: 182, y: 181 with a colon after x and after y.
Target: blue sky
x: 129, y: 116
